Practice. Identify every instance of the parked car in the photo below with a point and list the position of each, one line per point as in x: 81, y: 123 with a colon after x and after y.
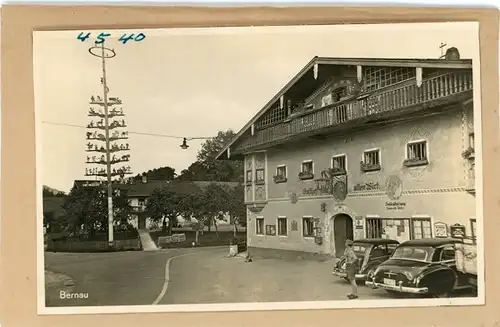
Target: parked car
x: 371, y: 252
x: 421, y: 267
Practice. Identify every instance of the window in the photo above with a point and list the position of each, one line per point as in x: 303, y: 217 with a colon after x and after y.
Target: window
x: 339, y: 163
x: 249, y: 177
x: 307, y: 227
x: 307, y: 167
x: 421, y: 228
x: 413, y: 253
x: 473, y: 230
x: 281, y: 171
x: 259, y: 226
x: 282, y: 226
x: 259, y: 176
x: 448, y: 254
x: 416, y: 153
x: 378, y: 77
x: 338, y: 94
x: 371, y: 160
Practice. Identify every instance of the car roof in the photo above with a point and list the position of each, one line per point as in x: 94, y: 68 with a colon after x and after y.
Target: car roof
x: 434, y: 242
x: 376, y: 241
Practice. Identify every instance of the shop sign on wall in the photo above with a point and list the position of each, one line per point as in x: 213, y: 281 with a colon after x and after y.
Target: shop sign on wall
x: 368, y: 186
x: 395, y: 205
x: 440, y: 229
x: 358, y: 221
x: 271, y: 230
x: 457, y: 231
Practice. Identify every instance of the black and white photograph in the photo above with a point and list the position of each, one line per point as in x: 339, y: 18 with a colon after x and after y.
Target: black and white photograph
x: 258, y: 168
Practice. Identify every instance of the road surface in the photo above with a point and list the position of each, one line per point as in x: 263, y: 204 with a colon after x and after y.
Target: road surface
x: 192, y: 276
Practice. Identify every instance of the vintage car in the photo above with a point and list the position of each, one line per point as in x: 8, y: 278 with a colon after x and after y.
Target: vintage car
x: 420, y: 267
x: 371, y: 252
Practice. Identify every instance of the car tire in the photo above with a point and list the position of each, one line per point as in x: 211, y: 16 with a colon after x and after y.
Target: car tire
x: 441, y: 294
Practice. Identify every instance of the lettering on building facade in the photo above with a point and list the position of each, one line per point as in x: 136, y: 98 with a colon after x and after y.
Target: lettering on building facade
x: 395, y: 205
x: 368, y: 186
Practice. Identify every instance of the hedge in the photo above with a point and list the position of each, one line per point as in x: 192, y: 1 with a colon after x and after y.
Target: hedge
x: 93, y: 246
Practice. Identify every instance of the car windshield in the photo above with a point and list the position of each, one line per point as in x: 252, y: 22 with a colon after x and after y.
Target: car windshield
x: 413, y: 253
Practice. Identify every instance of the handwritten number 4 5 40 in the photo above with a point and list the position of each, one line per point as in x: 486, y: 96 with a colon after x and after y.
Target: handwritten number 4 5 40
x: 102, y: 37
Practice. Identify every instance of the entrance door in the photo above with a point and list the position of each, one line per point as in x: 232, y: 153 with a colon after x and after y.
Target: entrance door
x: 343, y: 230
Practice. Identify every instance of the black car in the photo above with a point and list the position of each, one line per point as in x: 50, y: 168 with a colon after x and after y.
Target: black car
x: 370, y: 252
x: 425, y: 266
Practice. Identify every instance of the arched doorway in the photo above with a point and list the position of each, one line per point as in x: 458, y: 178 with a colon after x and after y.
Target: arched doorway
x: 342, y: 230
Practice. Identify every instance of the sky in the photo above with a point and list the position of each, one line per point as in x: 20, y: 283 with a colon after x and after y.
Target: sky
x: 195, y: 82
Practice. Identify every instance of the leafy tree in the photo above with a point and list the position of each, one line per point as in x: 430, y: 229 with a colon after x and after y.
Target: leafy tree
x: 216, y: 203
x: 163, y: 173
x: 237, y: 207
x: 206, y: 168
x: 172, y: 200
x: 88, y: 206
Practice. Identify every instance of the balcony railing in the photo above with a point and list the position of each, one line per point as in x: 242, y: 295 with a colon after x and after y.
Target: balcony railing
x: 432, y: 89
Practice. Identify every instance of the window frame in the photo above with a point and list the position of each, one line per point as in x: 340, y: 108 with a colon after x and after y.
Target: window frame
x: 278, y: 231
x: 337, y: 156
x: 413, y: 162
x: 303, y: 220
x: 257, y: 220
x: 375, y: 167
x: 421, y: 219
x: 263, y: 180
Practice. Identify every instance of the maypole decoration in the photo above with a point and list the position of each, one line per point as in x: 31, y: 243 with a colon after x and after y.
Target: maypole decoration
x: 107, y: 145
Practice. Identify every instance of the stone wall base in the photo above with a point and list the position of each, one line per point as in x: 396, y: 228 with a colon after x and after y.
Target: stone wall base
x: 257, y: 252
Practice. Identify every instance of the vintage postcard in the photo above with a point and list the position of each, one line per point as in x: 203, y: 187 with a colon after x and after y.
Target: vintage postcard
x: 258, y: 168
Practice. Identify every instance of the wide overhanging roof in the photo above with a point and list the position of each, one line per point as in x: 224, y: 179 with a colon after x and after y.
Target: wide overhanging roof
x: 329, y: 63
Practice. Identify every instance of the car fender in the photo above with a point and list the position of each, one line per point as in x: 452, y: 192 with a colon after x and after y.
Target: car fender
x: 428, y: 277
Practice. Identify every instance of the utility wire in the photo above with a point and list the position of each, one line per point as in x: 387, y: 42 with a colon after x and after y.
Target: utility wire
x: 136, y: 133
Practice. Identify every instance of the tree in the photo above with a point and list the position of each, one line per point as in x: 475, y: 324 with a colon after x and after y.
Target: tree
x: 163, y: 173
x: 170, y: 201
x: 88, y: 206
x: 206, y: 168
x: 216, y: 203
x: 237, y: 207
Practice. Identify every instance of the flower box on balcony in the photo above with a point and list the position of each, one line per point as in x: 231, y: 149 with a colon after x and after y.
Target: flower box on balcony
x: 369, y: 167
x: 305, y: 175
x: 468, y: 153
x: 249, y: 183
x: 415, y: 162
x: 260, y: 182
x: 337, y: 171
x: 279, y: 179
x: 318, y: 240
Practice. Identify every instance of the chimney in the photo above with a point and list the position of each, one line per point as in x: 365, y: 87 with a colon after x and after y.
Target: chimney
x: 144, y: 178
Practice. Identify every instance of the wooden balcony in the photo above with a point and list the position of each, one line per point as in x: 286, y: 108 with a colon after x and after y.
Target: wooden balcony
x: 434, y: 91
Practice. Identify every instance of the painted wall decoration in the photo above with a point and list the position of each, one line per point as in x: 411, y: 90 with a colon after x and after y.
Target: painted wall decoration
x: 248, y: 194
x: 294, y: 226
x: 393, y: 187
x: 293, y: 198
x: 259, y: 161
x: 358, y: 222
x: 260, y: 193
x: 340, y: 188
x: 271, y: 230
x: 440, y: 229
